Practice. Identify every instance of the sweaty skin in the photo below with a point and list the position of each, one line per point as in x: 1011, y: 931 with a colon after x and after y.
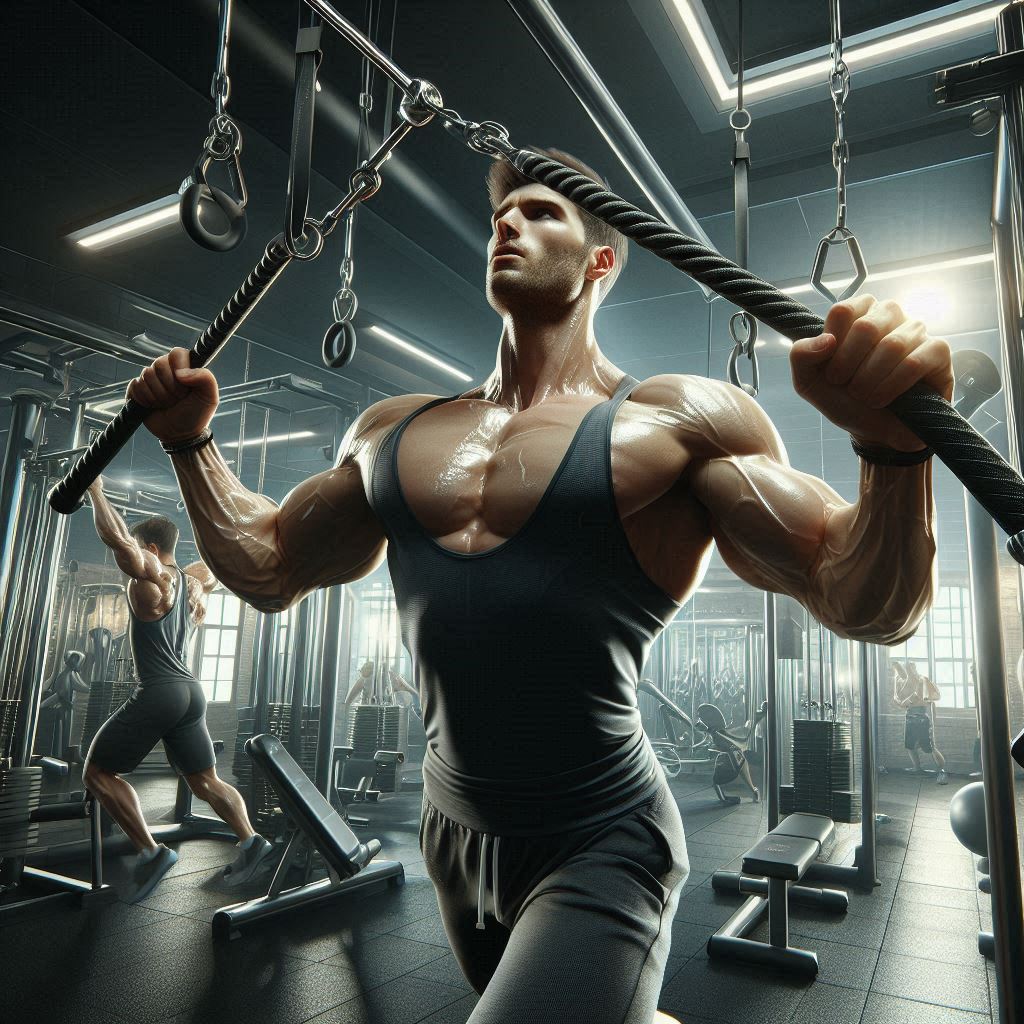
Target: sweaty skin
x: 694, y: 461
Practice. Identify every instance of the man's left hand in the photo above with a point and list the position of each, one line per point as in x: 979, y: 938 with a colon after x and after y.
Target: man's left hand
x: 870, y: 354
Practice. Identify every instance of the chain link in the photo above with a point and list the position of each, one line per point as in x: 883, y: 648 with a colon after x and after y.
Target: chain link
x: 839, y: 87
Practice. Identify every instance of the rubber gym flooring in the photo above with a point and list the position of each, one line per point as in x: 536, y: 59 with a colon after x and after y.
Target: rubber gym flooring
x: 904, y: 954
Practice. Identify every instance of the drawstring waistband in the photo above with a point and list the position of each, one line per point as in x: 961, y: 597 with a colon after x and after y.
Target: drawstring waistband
x: 481, y: 888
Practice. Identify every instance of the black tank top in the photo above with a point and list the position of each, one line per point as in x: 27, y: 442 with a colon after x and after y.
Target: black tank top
x: 527, y: 656
x: 159, y: 647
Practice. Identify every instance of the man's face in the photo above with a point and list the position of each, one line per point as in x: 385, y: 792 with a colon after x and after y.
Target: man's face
x: 537, y: 254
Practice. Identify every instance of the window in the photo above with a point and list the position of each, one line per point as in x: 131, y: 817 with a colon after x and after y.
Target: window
x: 943, y: 647
x: 215, y: 652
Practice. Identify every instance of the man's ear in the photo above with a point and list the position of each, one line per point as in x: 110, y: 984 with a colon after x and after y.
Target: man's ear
x: 601, y: 264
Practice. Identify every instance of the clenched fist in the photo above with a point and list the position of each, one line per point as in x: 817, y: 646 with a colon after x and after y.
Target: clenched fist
x: 183, y: 400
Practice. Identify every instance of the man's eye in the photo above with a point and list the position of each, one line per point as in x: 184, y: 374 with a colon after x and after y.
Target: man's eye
x: 542, y: 213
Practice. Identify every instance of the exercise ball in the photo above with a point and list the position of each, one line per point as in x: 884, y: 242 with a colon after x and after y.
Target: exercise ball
x: 967, y: 818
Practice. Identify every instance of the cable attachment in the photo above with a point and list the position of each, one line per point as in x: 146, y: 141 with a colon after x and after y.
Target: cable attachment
x: 214, y: 217
x: 487, y: 137
x: 839, y: 87
x: 340, y: 338
x: 744, y: 339
x: 420, y: 105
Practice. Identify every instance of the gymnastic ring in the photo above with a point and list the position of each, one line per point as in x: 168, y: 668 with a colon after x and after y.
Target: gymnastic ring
x: 339, y: 344
x: 192, y: 200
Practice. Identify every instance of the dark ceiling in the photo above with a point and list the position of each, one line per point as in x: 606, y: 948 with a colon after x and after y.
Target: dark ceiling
x: 106, y: 102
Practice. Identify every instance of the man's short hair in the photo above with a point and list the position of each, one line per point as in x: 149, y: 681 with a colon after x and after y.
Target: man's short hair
x: 503, y: 178
x: 158, y: 530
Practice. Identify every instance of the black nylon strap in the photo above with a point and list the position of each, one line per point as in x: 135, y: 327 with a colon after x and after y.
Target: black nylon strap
x: 307, y: 60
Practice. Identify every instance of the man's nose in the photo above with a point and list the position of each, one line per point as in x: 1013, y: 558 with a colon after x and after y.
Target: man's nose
x: 505, y: 230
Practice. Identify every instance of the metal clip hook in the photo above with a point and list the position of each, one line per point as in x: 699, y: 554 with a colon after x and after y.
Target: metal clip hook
x: 223, y: 146
x: 839, y: 235
x: 744, y: 346
x: 339, y: 345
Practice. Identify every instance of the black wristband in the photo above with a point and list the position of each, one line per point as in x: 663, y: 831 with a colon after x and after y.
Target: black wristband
x: 194, y: 445
x: 879, y: 455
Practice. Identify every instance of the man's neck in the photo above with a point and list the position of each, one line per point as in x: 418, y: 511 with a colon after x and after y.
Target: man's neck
x: 539, y: 360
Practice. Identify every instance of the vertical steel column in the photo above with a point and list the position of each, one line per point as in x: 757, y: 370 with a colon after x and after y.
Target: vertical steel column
x: 1007, y: 236
x: 25, y: 421
x: 866, y: 855
x: 1000, y: 802
x: 53, y: 531
x: 329, y: 688
x: 771, y: 723
x: 297, y: 673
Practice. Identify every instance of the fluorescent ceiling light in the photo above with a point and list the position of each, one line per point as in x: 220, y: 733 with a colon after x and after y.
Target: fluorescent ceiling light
x: 419, y: 353
x: 898, y: 42
x: 272, y: 439
x: 130, y: 224
x: 890, y: 275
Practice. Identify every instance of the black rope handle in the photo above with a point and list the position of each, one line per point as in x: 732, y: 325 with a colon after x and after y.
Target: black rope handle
x: 66, y: 495
x: 996, y: 485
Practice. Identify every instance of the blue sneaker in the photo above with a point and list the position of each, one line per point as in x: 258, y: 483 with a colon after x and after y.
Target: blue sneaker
x: 146, y: 875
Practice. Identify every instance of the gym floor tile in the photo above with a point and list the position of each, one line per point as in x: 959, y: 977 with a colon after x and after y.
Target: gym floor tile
x: 689, y: 939
x: 839, y: 964
x: 702, y: 905
x: 738, y: 993
x: 444, y: 970
x: 429, y: 929
x: 384, y: 958
x: 949, y: 877
x: 827, y: 1004
x: 957, y: 920
x: 881, y: 1009
x: 928, y: 981
x: 407, y: 999
x: 935, y: 895
x: 455, y: 1013
x: 947, y: 946
x: 843, y: 928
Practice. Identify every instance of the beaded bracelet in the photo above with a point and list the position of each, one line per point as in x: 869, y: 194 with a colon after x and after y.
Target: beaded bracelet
x: 189, y: 446
x: 879, y: 455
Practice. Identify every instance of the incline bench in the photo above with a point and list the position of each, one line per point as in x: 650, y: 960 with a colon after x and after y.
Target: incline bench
x: 779, y: 858
x: 314, y: 825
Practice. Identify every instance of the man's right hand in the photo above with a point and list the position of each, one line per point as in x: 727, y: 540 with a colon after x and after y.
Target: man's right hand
x: 184, y: 400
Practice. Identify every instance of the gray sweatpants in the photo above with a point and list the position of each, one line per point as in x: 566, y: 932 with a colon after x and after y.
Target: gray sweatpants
x: 577, y: 926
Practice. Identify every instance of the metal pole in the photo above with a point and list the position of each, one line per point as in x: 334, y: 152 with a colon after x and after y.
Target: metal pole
x: 771, y: 724
x: 571, y: 63
x: 298, y: 658
x: 1000, y: 801
x: 1007, y: 239
x: 866, y: 855
x: 28, y: 409
x: 329, y: 688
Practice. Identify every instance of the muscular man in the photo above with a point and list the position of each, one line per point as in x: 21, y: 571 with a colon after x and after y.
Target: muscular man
x: 547, y: 526
x: 166, y: 604
x: 917, y: 693
x: 406, y: 696
x: 363, y: 685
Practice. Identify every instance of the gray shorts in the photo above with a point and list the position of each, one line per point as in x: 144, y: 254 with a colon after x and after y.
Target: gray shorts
x: 577, y: 925
x: 173, y: 711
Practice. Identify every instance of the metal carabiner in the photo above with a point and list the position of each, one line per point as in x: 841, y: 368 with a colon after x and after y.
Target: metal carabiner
x: 839, y: 236
x: 339, y: 345
x: 198, y: 196
x: 744, y: 346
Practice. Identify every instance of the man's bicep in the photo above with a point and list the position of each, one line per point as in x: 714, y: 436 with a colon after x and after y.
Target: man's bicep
x: 767, y: 518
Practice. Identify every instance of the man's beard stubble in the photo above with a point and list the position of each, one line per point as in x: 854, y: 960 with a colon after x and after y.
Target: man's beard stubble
x: 534, y: 288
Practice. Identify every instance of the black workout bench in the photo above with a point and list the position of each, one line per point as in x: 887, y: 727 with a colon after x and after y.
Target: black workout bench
x: 314, y: 825
x: 779, y: 858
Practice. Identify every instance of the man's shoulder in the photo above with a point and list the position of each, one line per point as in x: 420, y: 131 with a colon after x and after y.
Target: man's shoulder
x: 714, y: 410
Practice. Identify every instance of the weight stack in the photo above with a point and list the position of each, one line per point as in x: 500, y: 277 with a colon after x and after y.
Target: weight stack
x: 823, y: 770
x: 20, y: 789
x: 8, y: 716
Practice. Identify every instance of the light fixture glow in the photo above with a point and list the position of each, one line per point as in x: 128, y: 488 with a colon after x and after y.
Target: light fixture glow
x: 272, y: 439
x: 130, y: 224
x: 419, y: 353
x: 836, y: 285
x: 818, y: 70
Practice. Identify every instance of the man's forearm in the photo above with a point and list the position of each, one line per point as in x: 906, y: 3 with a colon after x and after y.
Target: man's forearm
x: 875, y: 577
x: 110, y: 527
x: 234, y: 528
